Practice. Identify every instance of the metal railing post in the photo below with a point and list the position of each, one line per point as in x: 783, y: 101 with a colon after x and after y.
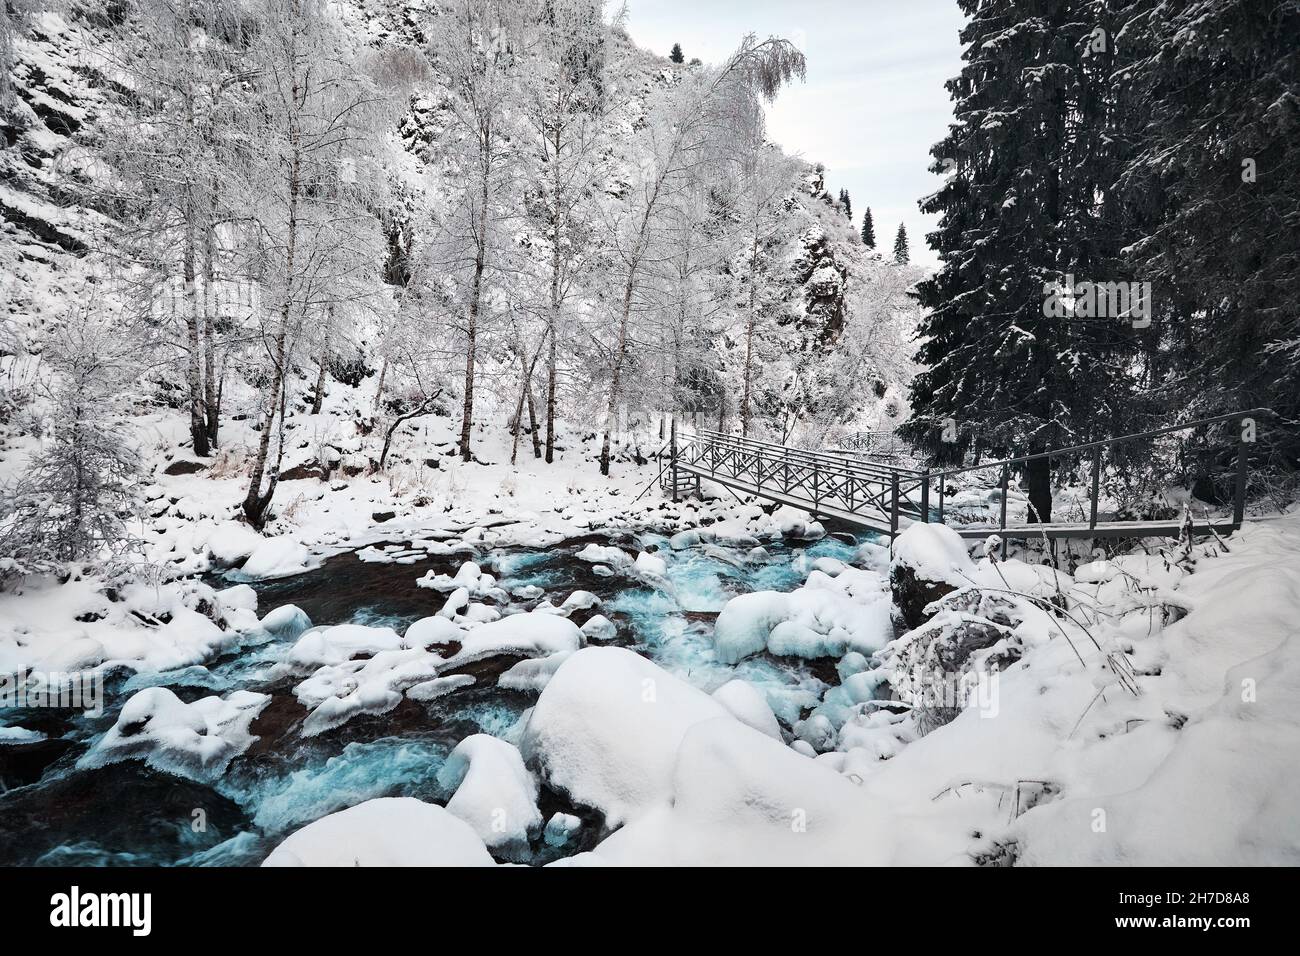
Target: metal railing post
x: 925, y: 495
x: 672, y: 444
x: 1239, y: 493
x: 942, y: 488
x: 893, y: 507
x: 816, y: 486
x: 1096, y: 488
x: 1002, y: 526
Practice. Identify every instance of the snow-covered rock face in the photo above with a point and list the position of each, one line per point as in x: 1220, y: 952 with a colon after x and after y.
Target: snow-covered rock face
x: 390, y: 831
x: 195, y: 740
x: 607, y: 727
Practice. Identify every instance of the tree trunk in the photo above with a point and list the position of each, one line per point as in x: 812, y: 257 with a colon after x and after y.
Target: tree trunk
x: 256, y: 502
x: 212, y: 306
x: 193, y: 320
x: 1038, y: 478
x: 749, y: 340
x: 616, y: 377
x: 532, y: 426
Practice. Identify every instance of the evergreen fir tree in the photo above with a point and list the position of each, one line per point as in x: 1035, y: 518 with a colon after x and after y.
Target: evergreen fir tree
x: 1216, y: 204
x: 846, y: 203
x: 868, y: 230
x: 677, y: 56
x: 1020, y: 210
x: 901, y: 254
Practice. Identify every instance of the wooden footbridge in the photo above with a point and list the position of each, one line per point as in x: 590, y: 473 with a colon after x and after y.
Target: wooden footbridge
x: 884, y: 497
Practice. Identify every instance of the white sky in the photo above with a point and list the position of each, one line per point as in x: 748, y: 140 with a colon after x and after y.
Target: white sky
x: 874, y: 101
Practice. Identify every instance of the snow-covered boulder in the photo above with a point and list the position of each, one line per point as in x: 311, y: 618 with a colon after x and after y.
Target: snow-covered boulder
x: 231, y: 542
x: 825, y: 618
x: 532, y: 674
x: 602, y: 554
x: 599, y: 628
x: 740, y: 798
x: 930, y: 560
x: 747, y: 704
x: 286, y: 623
x: 276, y: 558
x: 494, y: 793
x: 341, y: 642
x: 195, y: 740
x: 532, y: 634
x: 389, y: 831
x: 607, y: 727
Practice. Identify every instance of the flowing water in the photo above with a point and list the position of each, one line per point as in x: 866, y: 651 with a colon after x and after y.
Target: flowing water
x: 129, y: 814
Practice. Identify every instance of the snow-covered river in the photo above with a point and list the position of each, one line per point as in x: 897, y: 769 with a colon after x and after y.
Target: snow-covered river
x: 128, y: 813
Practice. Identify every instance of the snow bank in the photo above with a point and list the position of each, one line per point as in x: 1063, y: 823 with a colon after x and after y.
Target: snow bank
x: 390, y: 831
x: 607, y: 727
x: 494, y: 793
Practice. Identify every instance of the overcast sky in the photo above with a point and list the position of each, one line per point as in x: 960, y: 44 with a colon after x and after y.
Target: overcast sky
x: 874, y: 101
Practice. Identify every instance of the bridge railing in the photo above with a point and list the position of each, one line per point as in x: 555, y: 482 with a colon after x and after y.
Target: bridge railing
x: 887, y: 494
x: 941, y: 478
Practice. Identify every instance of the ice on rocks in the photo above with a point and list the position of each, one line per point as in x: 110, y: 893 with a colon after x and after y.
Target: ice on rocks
x: 286, y: 623
x: 195, y: 740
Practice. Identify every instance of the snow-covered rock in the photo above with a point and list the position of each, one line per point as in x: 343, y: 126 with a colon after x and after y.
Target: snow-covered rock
x: 740, y: 798
x: 337, y: 643
x: 747, y: 704
x: 826, y: 617
x: 276, y: 558
x: 389, y: 831
x: 607, y: 727
x: 494, y: 793
x: 195, y: 740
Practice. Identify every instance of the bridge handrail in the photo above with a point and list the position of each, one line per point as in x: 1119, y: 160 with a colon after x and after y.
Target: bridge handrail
x: 1096, y: 447
x: 1104, y: 443
x: 786, y: 451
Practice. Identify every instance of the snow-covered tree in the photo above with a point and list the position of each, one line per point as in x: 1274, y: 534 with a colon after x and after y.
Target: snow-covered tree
x: 901, y: 253
x: 76, y: 500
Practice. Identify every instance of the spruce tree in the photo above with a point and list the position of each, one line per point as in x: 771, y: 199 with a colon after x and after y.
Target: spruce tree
x: 1213, y: 186
x: 847, y: 203
x: 901, y: 254
x: 677, y: 56
x: 868, y: 230
x: 1025, y: 203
